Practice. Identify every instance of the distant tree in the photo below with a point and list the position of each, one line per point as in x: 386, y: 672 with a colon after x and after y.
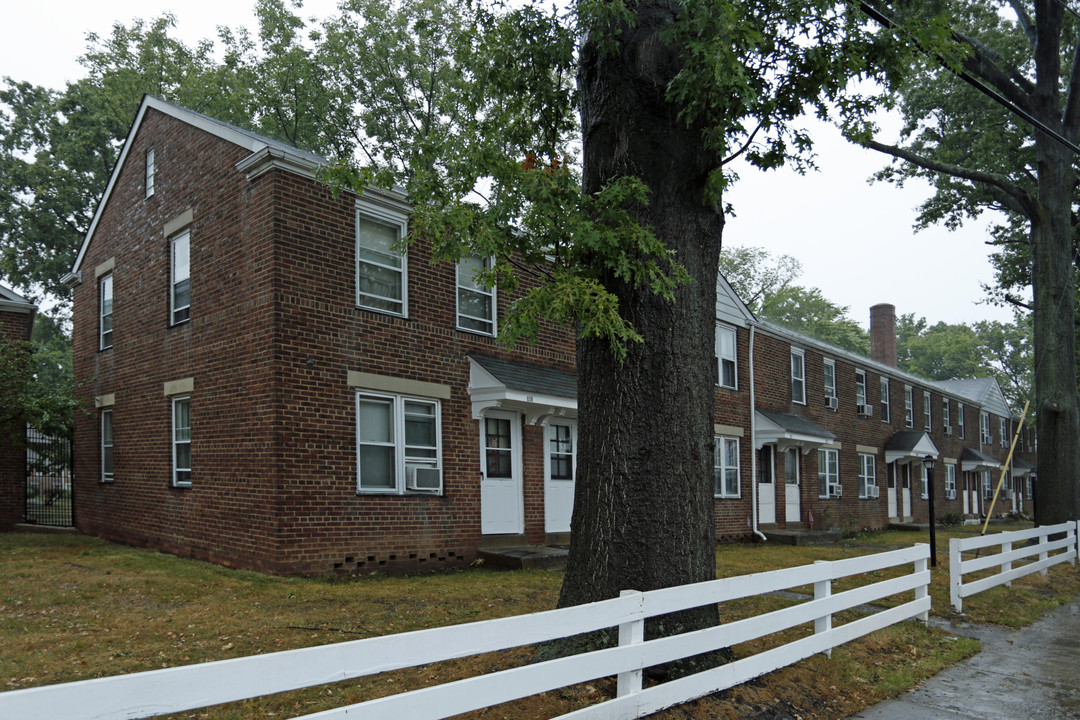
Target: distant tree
x: 37, y: 385
x: 766, y: 283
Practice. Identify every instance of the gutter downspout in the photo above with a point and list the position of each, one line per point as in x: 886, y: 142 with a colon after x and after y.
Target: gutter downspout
x: 753, y: 446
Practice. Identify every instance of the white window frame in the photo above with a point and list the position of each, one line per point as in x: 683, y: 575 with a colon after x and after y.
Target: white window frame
x: 151, y: 171
x: 928, y: 416
x: 909, y: 407
x: 984, y: 428
x: 987, y: 485
x: 402, y: 460
x: 1002, y: 432
x: 946, y: 416
x: 829, y: 372
x: 886, y: 405
x: 108, y: 446
x: 867, y: 475
x: 925, y: 480
x: 723, y: 471
x: 105, y: 311
x: 798, y: 379
x: 860, y: 387
x: 178, y: 477
x: 727, y: 355
x: 400, y: 224
x: 476, y: 289
x: 960, y: 419
x: 179, y: 313
x: 829, y: 476
x: 950, y: 482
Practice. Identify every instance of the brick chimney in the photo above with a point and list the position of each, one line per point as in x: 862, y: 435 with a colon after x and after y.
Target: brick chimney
x: 883, y: 334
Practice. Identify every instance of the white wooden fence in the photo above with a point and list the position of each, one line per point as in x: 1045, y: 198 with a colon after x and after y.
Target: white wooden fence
x: 1064, y: 550
x: 158, y: 692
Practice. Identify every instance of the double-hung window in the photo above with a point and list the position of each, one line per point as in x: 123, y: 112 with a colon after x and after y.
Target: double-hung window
x: 828, y: 473
x: 381, y: 268
x: 798, y: 376
x: 181, y: 441
x: 725, y: 357
x: 860, y: 391
x: 107, y: 445
x: 927, y: 419
x: 397, y: 444
x: 925, y: 481
x: 984, y: 429
x: 960, y: 419
x: 885, y: 400
x: 946, y: 418
x: 909, y: 407
x: 726, y: 467
x: 180, y: 283
x: 105, y: 324
x: 475, y: 300
x: 988, y: 485
x: 867, y: 475
x: 151, y: 170
x: 829, y: 369
x: 1003, y: 433
x: 950, y: 482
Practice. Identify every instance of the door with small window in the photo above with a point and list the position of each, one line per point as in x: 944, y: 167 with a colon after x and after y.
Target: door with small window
x: 560, y: 468
x: 906, y: 492
x: 501, y: 497
x: 891, y: 493
x: 792, y: 507
x: 766, y: 486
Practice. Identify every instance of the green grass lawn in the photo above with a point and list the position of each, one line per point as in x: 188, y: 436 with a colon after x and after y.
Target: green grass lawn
x: 73, y: 607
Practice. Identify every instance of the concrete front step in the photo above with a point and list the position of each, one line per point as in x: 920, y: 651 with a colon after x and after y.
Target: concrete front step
x: 524, y: 557
x: 802, y: 537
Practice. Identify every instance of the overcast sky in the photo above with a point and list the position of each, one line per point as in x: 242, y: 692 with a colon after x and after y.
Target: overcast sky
x: 854, y: 240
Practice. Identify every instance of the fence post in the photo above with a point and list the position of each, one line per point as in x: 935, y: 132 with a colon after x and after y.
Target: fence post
x: 1044, y: 539
x: 1006, y: 566
x: 631, y: 633
x: 823, y: 589
x: 922, y: 565
x: 956, y: 575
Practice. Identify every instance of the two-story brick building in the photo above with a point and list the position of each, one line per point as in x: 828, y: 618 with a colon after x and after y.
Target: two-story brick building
x: 279, y: 385
x: 16, y: 325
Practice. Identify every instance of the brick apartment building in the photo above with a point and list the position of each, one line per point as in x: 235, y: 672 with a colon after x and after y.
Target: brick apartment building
x: 278, y: 387
x: 16, y: 325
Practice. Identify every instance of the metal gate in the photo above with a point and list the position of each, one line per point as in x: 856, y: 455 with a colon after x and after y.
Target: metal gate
x: 49, y: 464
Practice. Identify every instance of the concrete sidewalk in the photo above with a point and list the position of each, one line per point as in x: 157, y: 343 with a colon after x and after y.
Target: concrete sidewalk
x: 1028, y: 674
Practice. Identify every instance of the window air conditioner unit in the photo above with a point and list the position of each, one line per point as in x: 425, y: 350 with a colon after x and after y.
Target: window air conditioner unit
x: 948, y: 431
x: 866, y: 410
x: 423, y: 479
x: 835, y: 491
x: 875, y: 492
x: 830, y: 403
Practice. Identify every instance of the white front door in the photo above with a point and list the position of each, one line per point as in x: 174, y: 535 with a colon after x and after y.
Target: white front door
x: 891, y: 492
x: 766, y: 486
x: 560, y: 467
x: 793, y: 513
x: 501, y: 498
x: 906, y: 491
x: 964, y: 493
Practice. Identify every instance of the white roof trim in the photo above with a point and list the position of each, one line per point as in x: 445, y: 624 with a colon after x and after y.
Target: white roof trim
x: 924, y: 447
x: 12, y: 301
x: 768, y: 432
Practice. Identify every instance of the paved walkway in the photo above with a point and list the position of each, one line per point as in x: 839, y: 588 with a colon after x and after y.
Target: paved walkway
x: 1028, y: 674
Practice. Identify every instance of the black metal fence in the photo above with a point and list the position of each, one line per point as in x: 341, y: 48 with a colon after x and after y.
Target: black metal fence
x: 49, y: 464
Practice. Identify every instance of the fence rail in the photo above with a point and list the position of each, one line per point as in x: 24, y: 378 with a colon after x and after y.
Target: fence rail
x: 189, y: 687
x: 1050, y: 553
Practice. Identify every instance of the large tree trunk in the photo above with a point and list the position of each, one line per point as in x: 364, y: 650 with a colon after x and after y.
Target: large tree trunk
x: 1056, y: 397
x: 643, y: 509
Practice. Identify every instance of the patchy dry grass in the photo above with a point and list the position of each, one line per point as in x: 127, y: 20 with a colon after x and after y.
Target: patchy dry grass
x: 73, y: 607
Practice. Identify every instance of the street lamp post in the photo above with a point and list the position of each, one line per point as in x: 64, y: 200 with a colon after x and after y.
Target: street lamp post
x: 928, y: 464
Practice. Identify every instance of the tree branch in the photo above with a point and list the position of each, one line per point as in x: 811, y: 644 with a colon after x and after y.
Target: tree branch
x: 1024, y: 20
x: 1071, y: 119
x: 1018, y: 195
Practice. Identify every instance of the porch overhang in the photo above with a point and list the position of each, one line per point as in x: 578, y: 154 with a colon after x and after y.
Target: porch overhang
x: 910, y: 446
x: 538, y: 393
x: 787, y: 431
x: 975, y: 461
x: 1021, y: 467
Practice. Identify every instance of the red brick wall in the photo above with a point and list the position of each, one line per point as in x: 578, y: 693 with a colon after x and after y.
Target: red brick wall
x: 15, y: 327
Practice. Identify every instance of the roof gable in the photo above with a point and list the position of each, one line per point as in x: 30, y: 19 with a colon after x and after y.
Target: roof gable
x: 252, y: 142
x: 12, y: 301
x: 729, y: 306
